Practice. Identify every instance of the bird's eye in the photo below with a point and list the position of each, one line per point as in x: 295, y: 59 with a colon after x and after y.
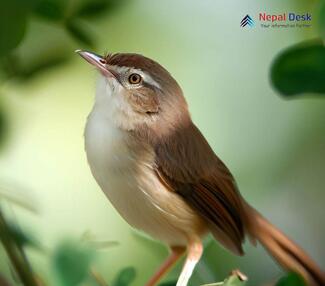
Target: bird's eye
x: 135, y: 78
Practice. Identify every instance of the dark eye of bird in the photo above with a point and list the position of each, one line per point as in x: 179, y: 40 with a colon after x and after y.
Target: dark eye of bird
x: 135, y: 78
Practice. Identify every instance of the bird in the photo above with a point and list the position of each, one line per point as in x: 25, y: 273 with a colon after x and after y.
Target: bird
x: 162, y: 176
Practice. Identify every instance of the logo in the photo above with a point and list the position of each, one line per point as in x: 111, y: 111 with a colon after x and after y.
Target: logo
x: 284, y: 17
x: 282, y: 20
x: 247, y: 20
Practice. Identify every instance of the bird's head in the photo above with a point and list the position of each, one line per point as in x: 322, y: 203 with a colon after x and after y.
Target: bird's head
x: 137, y: 93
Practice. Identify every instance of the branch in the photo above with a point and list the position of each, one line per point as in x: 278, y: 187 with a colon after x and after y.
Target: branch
x: 16, y: 254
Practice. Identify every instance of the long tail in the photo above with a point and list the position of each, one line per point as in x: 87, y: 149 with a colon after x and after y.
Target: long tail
x: 285, y: 251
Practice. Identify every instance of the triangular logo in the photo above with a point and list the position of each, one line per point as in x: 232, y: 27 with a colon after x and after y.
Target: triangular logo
x: 247, y: 20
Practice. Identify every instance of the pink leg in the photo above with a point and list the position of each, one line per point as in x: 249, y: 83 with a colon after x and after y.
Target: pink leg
x: 195, y: 250
x: 177, y: 252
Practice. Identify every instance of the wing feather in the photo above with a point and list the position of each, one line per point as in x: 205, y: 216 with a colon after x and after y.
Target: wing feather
x: 186, y: 164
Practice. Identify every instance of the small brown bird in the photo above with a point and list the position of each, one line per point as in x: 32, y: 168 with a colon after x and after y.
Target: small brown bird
x: 162, y: 176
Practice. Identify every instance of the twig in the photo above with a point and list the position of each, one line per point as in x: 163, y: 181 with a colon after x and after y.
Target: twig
x: 16, y: 254
x: 98, y: 278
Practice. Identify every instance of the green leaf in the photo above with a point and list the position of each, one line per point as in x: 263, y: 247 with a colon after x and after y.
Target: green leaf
x: 125, y: 277
x: 13, y: 21
x: 79, y: 33
x: 236, y: 279
x: 51, y: 9
x: 21, y: 237
x: 291, y: 279
x: 97, y: 7
x: 18, y: 236
x: 300, y: 69
x: 71, y: 262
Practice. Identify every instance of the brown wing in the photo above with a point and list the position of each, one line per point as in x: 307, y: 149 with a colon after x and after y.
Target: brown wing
x: 187, y: 165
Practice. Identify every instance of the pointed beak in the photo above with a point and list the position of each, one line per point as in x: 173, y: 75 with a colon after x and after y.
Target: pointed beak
x: 96, y: 60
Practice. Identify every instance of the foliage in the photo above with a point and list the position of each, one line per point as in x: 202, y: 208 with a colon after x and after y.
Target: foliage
x: 291, y: 279
x: 15, y: 14
x: 71, y: 262
x: 233, y: 280
x: 72, y: 17
x: 21, y: 237
x: 13, y: 21
x: 13, y: 242
x: 300, y: 69
x: 125, y: 277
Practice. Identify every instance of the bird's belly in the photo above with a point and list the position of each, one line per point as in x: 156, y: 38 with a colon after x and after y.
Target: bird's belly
x: 128, y: 180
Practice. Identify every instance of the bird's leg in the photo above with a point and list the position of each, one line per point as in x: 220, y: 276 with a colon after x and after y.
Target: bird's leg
x: 195, y: 250
x: 176, y: 253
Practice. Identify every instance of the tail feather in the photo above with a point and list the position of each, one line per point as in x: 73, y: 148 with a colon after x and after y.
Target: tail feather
x: 285, y: 251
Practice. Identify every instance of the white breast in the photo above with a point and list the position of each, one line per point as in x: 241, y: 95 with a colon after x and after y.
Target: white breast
x: 126, y: 176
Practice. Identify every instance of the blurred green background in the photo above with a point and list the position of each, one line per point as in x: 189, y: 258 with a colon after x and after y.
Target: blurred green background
x: 274, y: 147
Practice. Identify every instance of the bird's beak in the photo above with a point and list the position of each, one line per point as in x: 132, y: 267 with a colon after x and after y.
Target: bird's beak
x: 98, y: 61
